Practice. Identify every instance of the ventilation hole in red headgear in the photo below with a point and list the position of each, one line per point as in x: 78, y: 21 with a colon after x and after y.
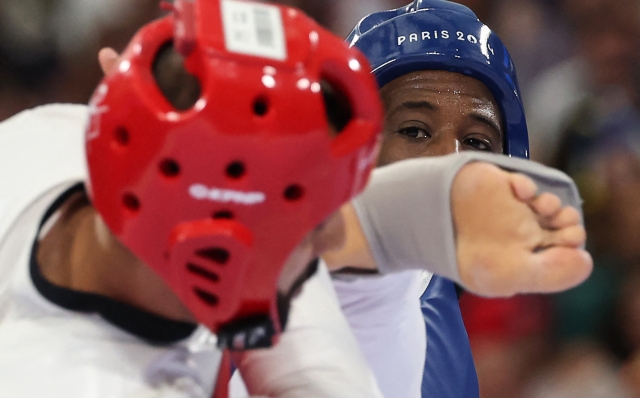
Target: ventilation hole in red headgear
x: 179, y: 87
x: 208, y: 298
x: 337, y: 107
x: 222, y: 215
x: 260, y: 106
x: 169, y: 168
x: 215, y: 254
x: 236, y: 170
x: 293, y: 193
x: 121, y: 136
x: 131, y: 202
x: 197, y: 270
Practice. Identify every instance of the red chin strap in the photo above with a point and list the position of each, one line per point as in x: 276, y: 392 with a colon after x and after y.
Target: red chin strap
x: 215, y: 198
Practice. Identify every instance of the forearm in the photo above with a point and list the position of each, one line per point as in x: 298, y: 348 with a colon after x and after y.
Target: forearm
x: 317, y: 355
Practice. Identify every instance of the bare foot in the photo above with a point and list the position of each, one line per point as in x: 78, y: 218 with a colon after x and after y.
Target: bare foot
x: 510, y: 240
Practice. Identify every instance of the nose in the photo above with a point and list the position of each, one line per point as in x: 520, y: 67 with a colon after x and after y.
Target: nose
x: 444, y: 144
x: 329, y: 235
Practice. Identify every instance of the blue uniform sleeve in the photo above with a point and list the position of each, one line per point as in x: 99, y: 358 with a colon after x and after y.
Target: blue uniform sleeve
x: 449, y: 371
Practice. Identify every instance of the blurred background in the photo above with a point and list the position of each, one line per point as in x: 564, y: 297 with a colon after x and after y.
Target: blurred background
x: 577, y: 64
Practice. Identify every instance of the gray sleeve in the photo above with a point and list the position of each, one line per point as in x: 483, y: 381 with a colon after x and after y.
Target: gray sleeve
x: 405, y: 210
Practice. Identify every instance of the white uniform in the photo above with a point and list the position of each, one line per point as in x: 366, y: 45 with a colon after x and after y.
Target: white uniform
x: 48, y: 350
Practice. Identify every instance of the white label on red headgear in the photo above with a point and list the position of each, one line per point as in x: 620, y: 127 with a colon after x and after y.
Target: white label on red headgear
x: 253, y: 29
x: 202, y: 192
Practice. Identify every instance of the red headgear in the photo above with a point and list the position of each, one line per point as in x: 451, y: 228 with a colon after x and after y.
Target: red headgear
x: 215, y: 198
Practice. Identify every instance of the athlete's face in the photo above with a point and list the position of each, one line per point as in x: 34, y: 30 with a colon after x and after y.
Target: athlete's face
x: 431, y: 113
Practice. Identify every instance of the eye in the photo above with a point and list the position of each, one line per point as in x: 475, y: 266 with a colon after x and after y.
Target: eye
x: 414, y: 132
x: 479, y: 144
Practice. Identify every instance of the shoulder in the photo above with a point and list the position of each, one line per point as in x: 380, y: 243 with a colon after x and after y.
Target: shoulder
x: 47, y: 117
x: 72, y: 356
x: 39, y: 149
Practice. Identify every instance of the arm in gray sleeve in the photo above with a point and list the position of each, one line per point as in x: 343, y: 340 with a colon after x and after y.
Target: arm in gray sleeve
x: 405, y: 211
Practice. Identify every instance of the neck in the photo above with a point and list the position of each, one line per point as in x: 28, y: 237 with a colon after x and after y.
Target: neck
x: 79, y: 252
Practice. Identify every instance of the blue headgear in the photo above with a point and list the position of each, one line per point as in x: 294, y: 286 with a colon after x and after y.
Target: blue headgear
x: 442, y: 35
